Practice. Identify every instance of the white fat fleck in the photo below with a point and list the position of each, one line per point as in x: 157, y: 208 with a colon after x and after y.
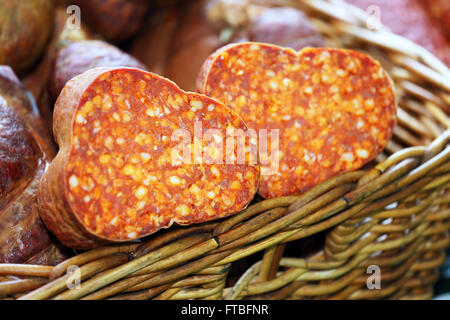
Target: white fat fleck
x: 310, y: 156
x: 286, y: 81
x: 362, y: 153
x: 148, y: 179
x: 324, y: 55
x: 287, y: 117
x: 273, y: 85
x: 145, y: 156
x: 141, y: 204
x: 348, y: 156
x: 87, y: 199
x: 254, y: 47
x: 140, y: 192
x: 114, y: 221
x: 374, y: 131
x: 270, y: 73
x: 116, y: 116
x: 132, y: 235
x: 164, y: 138
x: 360, y: 124
x: 128, y: 103
x: 217, y: 138
x: 80, y: 119
x: 211, y: 107
x: 175, y: 180
x: 73, y: 180
x: 120, y: 141
x: 196, y: 105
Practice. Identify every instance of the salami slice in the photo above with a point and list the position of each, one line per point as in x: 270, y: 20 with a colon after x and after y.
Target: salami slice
x: 334, y: 108
x: 138, y: 154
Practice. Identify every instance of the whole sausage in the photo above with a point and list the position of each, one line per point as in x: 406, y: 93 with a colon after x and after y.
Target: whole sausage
x: 25, y: 28
x: 409, y: 18
x: 23, y: 161
x: 125, y: 167
x: 178, y: 40
x: 115, y: 20
x: 80, y: 56
x: 334, y: 109
x: 440, y: 10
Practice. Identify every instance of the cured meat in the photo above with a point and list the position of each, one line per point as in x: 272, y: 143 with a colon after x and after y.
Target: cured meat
x: 440, y: 9
x: 410, y: 19
x: 334, y: 108
x: 178, y: 40
x: 131, y: 159
x: 80, y: 56
x: 25, y: 28
x: 116, y: 20
x: 22, y: 163
x: 37, y: 81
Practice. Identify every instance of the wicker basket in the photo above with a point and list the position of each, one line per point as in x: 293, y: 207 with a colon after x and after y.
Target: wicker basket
x: 394, y: 215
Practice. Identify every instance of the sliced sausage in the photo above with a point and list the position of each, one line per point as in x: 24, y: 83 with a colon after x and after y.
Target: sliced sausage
x: 122, y: 171
x: 334, y: 109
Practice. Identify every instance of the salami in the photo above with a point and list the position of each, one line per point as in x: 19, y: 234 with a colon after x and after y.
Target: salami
x: 25, y: 28
x: 115, y: 20
x: 410, y: 19
x: 334, y: 108
x: 22, y: 163
x: 80, y: 56
x: 440, y: 10
x: 132, y: 161
x: 177, y: 40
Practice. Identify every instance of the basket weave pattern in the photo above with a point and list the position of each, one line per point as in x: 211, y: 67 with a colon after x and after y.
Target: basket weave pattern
x: 395, y: 215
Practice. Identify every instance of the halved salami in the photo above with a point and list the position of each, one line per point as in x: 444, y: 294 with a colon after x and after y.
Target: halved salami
x: 138, y: 154
x: 334, y: 108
